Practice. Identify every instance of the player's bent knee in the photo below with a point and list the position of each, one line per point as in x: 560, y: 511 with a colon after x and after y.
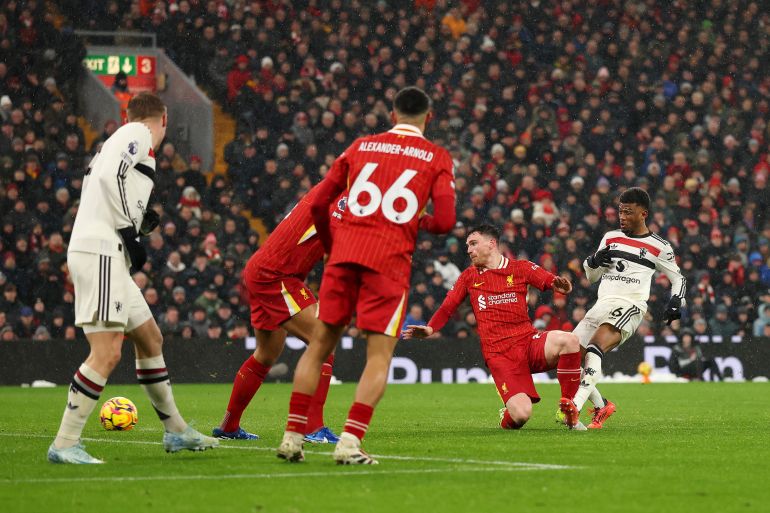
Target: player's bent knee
x: 520, y: 412
x: 572, y: 343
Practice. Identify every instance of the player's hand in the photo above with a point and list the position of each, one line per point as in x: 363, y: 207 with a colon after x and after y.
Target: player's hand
x: 414, y: 331
x: 673, y: 310
x: 600, y: 258
x: 562, y: 285
x: 150, y: 221
x: 136, y: 252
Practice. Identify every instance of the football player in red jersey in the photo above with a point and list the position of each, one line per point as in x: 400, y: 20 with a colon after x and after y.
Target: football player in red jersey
x: 274, y: 279
x: 389, y: 178
x: 513, y: 349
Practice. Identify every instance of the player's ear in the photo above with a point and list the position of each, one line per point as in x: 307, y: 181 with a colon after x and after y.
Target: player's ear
x: 393, y: 118
x: 164, y: 120
x: 428, y: 117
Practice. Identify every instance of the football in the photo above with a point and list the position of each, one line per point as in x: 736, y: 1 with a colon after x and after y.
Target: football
x: 118, y: 414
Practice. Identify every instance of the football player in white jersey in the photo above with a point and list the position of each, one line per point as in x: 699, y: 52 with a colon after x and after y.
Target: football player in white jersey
x: 113, y: 214
x: 625, y: 263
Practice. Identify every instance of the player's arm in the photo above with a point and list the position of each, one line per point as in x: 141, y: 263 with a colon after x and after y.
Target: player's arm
x: 666, y: 263
x: 443, y: 195
x: 597, y: 264
x: 328, y: 190
x: 122, y: 166
x: 453, y: 299
x: 539, y: 277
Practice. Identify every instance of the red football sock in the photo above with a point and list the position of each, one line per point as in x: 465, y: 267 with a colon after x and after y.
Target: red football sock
x: 507, y: 421
x: 359, y: 416
x: 568, y: 374
x: 298, y: 406
x: 315, y: 415
x: 247, y: 381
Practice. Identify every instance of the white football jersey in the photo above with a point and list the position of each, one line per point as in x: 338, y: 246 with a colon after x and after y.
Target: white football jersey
x: 634, y: 261
x: 116, y: 190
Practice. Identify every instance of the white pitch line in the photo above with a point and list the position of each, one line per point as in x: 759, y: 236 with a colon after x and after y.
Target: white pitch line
x: 460, y: 461
x: 282, y: 475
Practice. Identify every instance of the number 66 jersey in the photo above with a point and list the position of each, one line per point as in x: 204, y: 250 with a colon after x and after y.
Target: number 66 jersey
x: 389, y: 177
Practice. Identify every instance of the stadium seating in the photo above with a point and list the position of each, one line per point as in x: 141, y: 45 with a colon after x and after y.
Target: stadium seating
x: 548, y: 113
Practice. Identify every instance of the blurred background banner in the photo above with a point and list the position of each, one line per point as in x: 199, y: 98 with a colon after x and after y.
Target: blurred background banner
x: 431, y: 361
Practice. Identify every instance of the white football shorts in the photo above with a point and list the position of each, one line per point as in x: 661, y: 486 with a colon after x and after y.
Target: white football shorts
x: 106, y: 298
x: 623, y: 314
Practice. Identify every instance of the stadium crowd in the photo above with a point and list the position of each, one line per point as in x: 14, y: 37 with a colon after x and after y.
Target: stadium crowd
x: 548, y: 108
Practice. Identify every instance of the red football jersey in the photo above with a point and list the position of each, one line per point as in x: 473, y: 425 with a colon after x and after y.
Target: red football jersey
x: 389, y: 179
x: 293, y: 248
x: 499, y: 301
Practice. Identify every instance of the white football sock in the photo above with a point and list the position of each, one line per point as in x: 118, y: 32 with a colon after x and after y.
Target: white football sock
x: 592, y: 374
x: 596, y: 398
x: 153, y: 377
x: 85, y: 389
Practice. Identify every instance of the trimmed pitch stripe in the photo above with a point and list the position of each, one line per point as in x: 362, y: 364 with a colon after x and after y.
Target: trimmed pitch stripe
x: 493, y: 464
x: 279, y: 475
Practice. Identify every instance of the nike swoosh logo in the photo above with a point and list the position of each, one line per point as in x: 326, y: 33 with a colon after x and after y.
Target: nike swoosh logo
x: 478, y: 284
x: 578, y: 379
x: 72, y: 406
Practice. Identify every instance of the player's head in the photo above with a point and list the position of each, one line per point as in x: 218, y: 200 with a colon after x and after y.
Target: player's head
x: 411, y: 105
x: 149, y: 109
x: 633, y: 208
x: 482, y: 244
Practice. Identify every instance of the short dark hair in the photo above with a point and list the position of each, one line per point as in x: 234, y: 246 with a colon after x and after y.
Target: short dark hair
x: 411, y: 101
x: 486, y: 229
x: 145, y: 105
x: 636, y: 195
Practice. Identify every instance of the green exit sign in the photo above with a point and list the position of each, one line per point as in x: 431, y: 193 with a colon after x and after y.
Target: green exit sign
x: 111, y: 64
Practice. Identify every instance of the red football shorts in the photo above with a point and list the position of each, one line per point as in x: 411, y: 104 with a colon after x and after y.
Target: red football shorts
x: 274, y: 302
x: 378, y: 301
x: 513, y: 369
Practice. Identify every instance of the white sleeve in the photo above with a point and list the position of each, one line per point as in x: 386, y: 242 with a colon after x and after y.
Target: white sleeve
x: 124, y: 178
x: 592, y: 274
x: 666, y: 263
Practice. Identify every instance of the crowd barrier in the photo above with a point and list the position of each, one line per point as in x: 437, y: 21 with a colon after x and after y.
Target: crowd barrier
x: 415, y: 361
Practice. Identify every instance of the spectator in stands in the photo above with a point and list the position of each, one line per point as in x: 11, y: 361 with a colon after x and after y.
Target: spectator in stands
x: 214, y: 331
x: 721, y: 325
x: 199, y: 321
x: 763, y: 319
x: 543, y: 130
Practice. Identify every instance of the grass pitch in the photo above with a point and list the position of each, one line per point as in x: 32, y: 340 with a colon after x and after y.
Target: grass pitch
x: 688, y: 448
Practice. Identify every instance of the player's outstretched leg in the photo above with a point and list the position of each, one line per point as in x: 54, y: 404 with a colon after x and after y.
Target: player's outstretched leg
x: 152, y: 374
x: 83, y: 395
x: 592, y: 374
x: 247, y: 381
x: 85, y: 389
x: 291, y: 448
x: 306, y: 377
x: 596, y: 398
x: 566, y: 346
x: 371, y: 387
x: 348, y: 450
x: 317, y: 431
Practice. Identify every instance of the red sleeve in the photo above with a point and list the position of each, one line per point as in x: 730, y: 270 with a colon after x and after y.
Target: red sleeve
x: 443, y: 195
x: 444, y: 215
x: 454, y: 297
x: 328, y: 190
x: 538, y: 277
